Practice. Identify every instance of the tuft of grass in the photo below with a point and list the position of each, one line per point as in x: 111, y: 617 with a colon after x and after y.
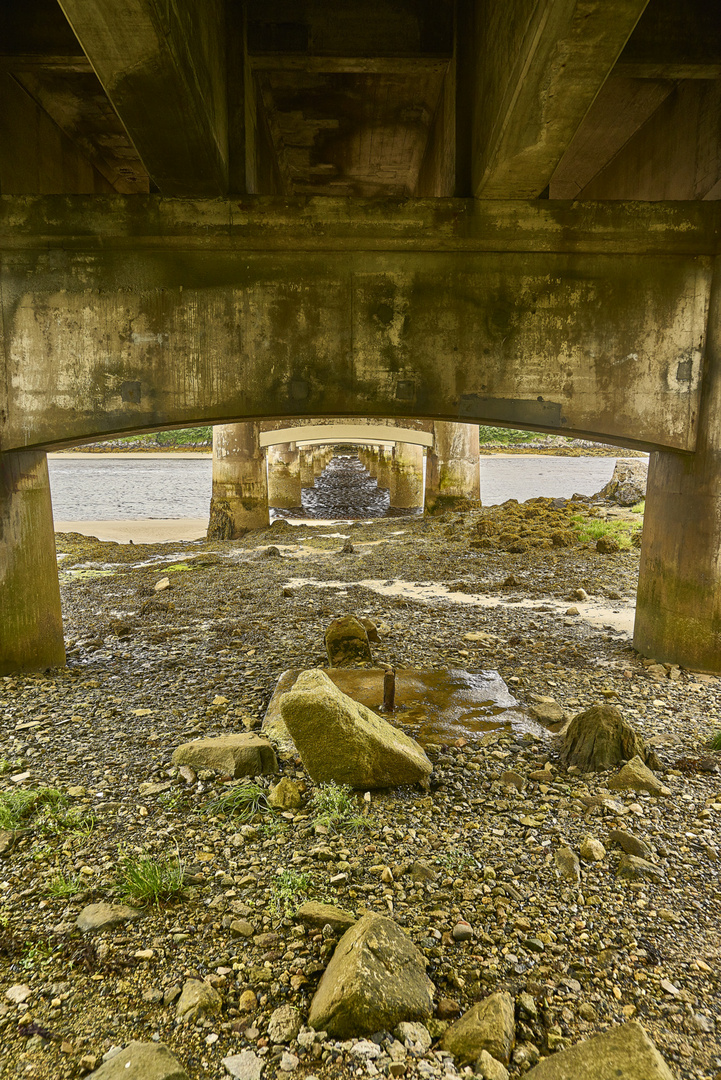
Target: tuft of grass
x: 639, y: 508
x: 334, y: 807
x: 715, y: 740
x: 590, y: 529
x: 242, y: 801
x: 150, y: 880
x: 17, y: 807
x: 61, y: 886
x: 288, y: 892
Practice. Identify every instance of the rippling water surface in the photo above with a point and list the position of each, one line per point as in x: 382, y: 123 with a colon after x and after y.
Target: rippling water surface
x: 93, y: 488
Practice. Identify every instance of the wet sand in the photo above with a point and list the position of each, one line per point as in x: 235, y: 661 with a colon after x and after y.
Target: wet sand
x: 146, y: 531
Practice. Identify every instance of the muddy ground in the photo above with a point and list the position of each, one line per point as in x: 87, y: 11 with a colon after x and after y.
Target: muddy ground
x: 148, y: 670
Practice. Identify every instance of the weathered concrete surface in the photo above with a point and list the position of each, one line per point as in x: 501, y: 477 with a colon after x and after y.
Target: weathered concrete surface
x: 163, y: 68
x: 538, y: 68
x: 452, y: 466
x: 678, y: 606
x: 240, y: 485
x: 284, y: 487
x: 357, y: 430
x: 406, y: 486
x: 123, y: 315
x: 31, y: 626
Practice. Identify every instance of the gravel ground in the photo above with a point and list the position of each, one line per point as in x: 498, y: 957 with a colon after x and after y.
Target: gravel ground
x: 148, y: 670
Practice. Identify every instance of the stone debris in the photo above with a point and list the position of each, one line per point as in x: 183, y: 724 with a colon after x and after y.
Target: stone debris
x: 624, y: 1051
x: 232, y: 755
x: 97, y: 917
x: 635, y: 776
x: 341, y: 740
x: 375, y: 979
x: 490, y: 1025
x: 142, y: 1061
x: 197, y: 1000
x: 315, y: 916
x: 347, y: 644
x: 286, y: 795
x: 244, y: 1066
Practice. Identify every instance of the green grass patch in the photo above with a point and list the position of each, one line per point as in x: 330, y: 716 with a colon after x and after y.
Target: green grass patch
x: 178, y: 567
x: 639, y: 508
x: 289, y: 890
x: 150, y: 880
x: 335, y: 808
x: 61, y: 886
x: 590, y: 529
x: 715, y: 740
x: 507, y: 436
x: 19, y: 807
x: 241, y: 801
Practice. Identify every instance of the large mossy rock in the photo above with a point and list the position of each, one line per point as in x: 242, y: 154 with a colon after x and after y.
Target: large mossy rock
x: 375, y: 980
x: 339, y: 739
x: 599, y: 739
x: 233, y: 755
x: 346, y: 643
x: 141, y: 1061
x: 625, y: 1051
x: 627, y: 486
x: 490, y: 1025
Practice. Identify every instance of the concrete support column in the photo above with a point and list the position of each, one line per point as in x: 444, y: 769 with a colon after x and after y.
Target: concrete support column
x: 284, y: 489
x: 240, y: 489
x: 406, y: 487
x: 318, y: 461
x: 385, y: 459
x: 31, y: 624
x: 372, y: 463
x: 307, y: 470
x: 452, y: 466
x: 678, y: 608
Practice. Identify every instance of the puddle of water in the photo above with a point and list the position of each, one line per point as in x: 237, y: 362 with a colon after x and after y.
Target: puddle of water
x: 437, y: 707
x: 619, y: 619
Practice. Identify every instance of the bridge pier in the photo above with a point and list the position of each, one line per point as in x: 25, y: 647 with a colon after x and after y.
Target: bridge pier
x: 406, y: 479
x: 678, y: 605
x: 452, y: 466
x: 284, y: 486
x: 31, y: 626
x: 306, y: 466
x: 240, y: 488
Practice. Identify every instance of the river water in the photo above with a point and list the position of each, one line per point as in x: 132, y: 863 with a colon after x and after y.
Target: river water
x: 121, y: 487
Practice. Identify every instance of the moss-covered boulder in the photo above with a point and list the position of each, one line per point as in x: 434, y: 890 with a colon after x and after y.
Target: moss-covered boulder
x: 339, y: 739
x: 375, y: 980
x: 624, y: 1051
x: 346, y: 642
x: 600, y: 738
x: 490, y: 1025
x: 234, y: 755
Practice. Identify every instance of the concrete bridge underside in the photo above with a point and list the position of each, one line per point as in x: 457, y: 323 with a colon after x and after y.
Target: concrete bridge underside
x: 263, y: 210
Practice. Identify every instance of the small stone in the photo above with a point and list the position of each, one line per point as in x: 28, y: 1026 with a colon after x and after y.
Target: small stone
x: 489, y: 1025
x: 633, y: 868
x: 413, y: 1034
x: 234, y: 755
x: 573, y: 610
x: 247, y: 1001
x: 462, y: 931
x: 284, y: 1024
x: 241, y: 928
x: 489, y: 1068
x: 315, y: 916
x: 162, y: 585
x: 244, y: 1066
x: 346, y: 642
x: 580, y: 594
x: 19, y: 993
x: 288, y: 1062
x: 197, y: 1001
x: 513, y: 779
x: 635, y: 776
x: 632, y: 845
x: 447, y: 1008
x: 141, y: 1061
x: 568, y: 867
x: 286, y: 795
x: 607, y: 545
x: 592, y: 850
x: 96, y: 917
x: 547, y: 711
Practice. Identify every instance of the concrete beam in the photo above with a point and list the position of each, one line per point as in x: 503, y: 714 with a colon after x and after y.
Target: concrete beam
x: 539, y: 66
x: 124, y: 315
x: 346, y: 433
x: 163, y: 69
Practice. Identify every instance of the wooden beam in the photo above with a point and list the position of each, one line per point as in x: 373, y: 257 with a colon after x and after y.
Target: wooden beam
x: 539, y: 66
x: 163, y: 69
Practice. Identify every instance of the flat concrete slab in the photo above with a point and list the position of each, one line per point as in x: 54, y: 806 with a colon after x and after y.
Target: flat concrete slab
x: 435, y: 707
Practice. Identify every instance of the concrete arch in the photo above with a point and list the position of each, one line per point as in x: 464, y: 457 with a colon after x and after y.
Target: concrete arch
x: 321, y: 434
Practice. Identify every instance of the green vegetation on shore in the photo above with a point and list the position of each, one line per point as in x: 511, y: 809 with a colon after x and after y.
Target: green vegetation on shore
x: 179, y: 439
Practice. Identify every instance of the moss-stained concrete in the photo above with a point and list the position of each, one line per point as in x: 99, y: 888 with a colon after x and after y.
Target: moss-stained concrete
x: 574, y: 319
x: 678, y: 613
x: 31, y: 628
